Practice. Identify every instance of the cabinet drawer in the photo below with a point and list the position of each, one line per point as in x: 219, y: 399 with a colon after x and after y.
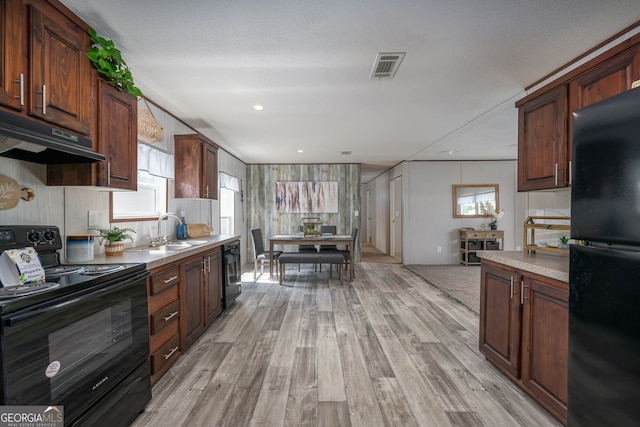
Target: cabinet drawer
x: 164, y: 279
x: 472, y: 234
x: 164, y: 316
x: 160, y: 338
x: 166, y: 355
x: 493, y: 234
x: 166, y: 297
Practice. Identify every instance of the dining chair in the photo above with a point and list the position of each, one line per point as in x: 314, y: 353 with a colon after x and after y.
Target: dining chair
x: 306, y: 248
x: 260, y: 254
x: 332, y: 229
x: 347, y: 254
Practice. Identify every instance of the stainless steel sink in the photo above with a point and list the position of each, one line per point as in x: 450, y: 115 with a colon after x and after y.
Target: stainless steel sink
x: 173, y: 246
x: 176, y: 246
x: 197, y: 242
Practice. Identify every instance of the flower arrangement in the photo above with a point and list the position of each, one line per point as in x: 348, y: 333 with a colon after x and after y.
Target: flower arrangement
x: 488, y: 209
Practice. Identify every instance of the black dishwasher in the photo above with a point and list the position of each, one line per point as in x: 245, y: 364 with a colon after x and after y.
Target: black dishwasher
x: 231, y: 273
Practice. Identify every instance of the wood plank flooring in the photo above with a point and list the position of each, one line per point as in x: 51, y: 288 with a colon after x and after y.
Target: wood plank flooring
x: 387, y: 349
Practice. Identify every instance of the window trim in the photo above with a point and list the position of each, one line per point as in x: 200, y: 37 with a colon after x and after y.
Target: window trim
x: 134, y: 219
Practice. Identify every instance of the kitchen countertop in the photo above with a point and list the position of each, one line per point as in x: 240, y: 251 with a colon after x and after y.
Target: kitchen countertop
x: 157, y: 257
x: 553, y: 266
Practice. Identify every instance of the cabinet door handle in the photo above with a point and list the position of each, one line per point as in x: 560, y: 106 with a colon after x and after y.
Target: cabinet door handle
x: 20, y: 81
x: 44, y: 100
x: 171, y: 316
x: 522, y: 292
x: 204, y: 266
x: 173, y: 350
x: 511, y: 287
x: 556, y: 174
x: 569, y: 172
x: 108, y: 173
x: 209, y: 264
x: 170, y: 279
x: 206, y: 191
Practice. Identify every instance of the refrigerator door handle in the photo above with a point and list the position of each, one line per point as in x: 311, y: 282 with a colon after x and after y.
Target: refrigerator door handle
x: 522, y: 292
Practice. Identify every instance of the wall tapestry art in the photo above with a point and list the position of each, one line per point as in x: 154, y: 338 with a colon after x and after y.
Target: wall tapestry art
x: 307, y: 197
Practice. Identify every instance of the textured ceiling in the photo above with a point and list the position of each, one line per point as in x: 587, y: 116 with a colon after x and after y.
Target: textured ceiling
x: 308, y: 63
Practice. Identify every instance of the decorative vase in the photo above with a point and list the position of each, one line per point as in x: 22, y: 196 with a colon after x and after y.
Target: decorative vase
x: 493, y: 226
x: 114, y: 248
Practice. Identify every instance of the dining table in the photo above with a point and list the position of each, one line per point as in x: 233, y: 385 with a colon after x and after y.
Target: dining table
x: 320, y: 240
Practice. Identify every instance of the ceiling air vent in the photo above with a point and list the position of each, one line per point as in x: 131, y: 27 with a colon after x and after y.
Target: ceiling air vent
x: 386, y: 65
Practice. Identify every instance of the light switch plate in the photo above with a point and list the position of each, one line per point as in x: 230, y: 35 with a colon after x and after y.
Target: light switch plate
x: 93, y: 218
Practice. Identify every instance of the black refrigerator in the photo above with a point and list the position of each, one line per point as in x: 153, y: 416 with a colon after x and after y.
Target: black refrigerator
x: 604, y: 275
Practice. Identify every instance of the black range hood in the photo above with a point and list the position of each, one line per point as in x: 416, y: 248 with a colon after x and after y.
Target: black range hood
x: 25, y: 139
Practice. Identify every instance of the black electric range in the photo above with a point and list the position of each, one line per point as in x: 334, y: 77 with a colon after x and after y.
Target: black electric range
x: 60, y: 279
x: 79, y: 340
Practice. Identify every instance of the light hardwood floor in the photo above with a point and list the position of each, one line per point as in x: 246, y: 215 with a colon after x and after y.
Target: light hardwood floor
x: 387, y: 349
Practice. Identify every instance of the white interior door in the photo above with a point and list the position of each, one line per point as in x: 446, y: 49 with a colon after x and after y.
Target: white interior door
x: 395, y: 218
x: 368, y: 204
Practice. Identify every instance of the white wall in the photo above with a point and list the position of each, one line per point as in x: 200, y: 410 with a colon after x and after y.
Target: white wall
x: 428, y: 221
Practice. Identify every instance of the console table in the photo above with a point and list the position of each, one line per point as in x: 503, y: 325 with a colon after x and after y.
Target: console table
x: 478, y: 240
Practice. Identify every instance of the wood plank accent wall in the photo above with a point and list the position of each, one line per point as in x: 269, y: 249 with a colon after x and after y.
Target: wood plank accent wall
x: 261, y: 198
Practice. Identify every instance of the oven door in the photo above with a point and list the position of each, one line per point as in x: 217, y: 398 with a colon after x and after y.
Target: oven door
x: 74, y: 350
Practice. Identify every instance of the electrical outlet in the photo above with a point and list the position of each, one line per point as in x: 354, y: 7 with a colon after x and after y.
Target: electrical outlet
x: 439, y: 249
x: 518, y: 248
x: 93, y: 218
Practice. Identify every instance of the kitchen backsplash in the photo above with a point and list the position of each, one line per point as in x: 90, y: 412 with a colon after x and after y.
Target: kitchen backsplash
x: 68, y: 207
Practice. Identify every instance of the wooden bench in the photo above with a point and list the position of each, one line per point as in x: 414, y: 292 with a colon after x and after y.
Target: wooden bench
x: 311, y: 258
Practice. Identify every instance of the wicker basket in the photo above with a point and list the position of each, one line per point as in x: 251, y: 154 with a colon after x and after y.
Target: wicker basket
x: 114, y: 249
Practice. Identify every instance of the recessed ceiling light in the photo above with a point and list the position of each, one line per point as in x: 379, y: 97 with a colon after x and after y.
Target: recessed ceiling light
x: 258, y: 107
x: 300, y: 151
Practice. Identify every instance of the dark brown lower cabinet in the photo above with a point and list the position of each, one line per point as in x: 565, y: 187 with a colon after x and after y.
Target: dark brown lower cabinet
x: 524, y: 326
x: 164, y: 319
x: 184, y: 299
x: 200, y: 294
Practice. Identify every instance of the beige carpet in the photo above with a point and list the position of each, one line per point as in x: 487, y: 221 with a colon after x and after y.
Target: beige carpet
x: 459, y: 282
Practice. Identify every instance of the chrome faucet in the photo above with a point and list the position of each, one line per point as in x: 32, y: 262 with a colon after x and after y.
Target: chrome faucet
x: 160, y: 239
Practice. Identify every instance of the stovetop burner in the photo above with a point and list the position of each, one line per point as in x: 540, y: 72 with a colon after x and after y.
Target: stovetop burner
x: 61, y: 270
x: 101, y: 269
x: 22, y: 291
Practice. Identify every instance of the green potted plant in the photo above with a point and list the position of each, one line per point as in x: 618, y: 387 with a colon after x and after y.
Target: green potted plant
x: 107, y: 61
x: 114, y: 238
x: 564, y: 242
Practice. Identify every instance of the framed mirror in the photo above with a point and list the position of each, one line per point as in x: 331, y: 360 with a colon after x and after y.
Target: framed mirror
x: 468, y: 199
